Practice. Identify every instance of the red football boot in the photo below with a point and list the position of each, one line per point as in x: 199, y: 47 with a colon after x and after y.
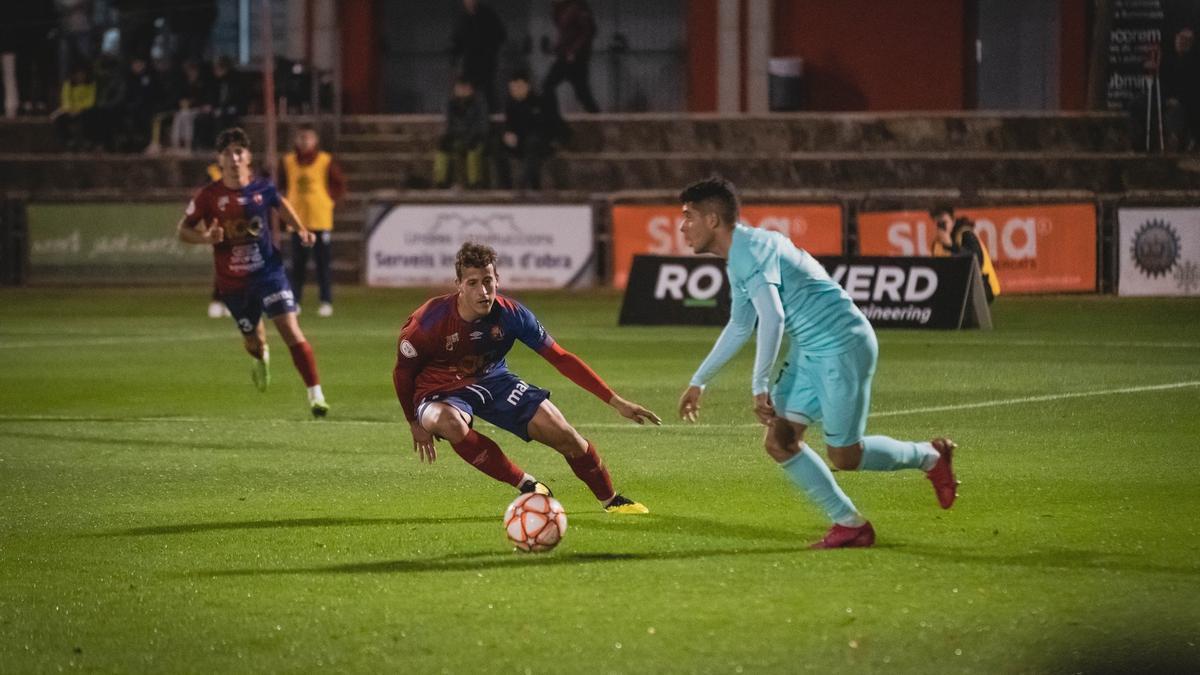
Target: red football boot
x: 840, y: 536
x: 942, y: 474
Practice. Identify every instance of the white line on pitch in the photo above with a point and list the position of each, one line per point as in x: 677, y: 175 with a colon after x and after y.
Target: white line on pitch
x: 106, y: 341
x: 630, y: 425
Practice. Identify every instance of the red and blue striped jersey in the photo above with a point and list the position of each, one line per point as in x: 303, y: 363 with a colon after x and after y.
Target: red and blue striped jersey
x: 248, y: 251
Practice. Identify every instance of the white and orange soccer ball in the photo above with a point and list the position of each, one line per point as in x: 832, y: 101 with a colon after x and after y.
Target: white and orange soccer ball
x: 535, y: 522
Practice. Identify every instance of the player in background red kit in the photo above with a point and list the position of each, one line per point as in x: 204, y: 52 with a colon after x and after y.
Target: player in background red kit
x: 450, y: 367
x: 233, y: 215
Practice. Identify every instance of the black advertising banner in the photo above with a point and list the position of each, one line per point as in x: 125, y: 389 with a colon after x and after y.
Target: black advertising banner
x: 934, y: 293
x: 1134, y: 39
x: 676, y: 290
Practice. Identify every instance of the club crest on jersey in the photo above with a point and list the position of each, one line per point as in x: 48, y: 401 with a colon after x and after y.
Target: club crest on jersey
x: 258, y: 200
x: 497, y: 333
x: 222, y: 202
x: 451, y: 340
x: 476, y: 335
x: 407, y: 349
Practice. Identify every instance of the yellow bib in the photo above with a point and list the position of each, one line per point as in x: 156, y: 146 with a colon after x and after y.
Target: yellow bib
x: 308, y: 190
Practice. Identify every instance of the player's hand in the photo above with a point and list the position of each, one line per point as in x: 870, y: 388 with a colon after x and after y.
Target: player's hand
x: 689, y: 404
x: 215, y: 234
x: 763, y: 408
x: 423, y: 443
x: 307, y: 238
x: 633, y: 411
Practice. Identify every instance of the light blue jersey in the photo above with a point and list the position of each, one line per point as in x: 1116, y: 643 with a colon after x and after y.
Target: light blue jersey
x: 833, y: 350
x: 820, y: 318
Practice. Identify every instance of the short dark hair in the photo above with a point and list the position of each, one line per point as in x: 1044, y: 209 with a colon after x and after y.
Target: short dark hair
x: 233, y: 136
x: 939, y: 209
x: 521, y: 73
x: 475, y: 255
x: 307, y: 126
x: 715, y: 193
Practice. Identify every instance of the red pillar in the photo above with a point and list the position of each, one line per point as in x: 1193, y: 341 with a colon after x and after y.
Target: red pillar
x: 359, y: 35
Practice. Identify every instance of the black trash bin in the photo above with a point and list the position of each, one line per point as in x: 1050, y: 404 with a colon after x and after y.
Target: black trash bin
x: 785, y: 83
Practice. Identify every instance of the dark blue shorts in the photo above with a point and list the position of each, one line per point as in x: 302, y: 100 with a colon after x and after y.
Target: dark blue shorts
x: 271, y: 295
x: 502, y: 399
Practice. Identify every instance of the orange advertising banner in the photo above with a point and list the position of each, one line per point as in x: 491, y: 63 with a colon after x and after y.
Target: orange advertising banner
x: 1042, y: 248
x: 654, y: 229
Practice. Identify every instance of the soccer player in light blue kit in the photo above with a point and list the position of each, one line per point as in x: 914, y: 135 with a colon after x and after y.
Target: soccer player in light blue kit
x: 829, y: 366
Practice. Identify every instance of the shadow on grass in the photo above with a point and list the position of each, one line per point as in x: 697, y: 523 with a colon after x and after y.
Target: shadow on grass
x: 1049, y: 558
x: 157, y: 444
x: 284, y: 523
x: 657, y: 524
x: 471, y: 562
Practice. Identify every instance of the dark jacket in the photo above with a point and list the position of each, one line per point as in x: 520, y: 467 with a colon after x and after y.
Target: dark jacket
x: 576, y: 29
x: 477, y: 39
x: 535, y: 120
x: 467, y: 120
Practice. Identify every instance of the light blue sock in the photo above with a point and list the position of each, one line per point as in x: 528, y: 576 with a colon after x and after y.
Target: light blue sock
x: 882, y: 453
x: 811, y: 475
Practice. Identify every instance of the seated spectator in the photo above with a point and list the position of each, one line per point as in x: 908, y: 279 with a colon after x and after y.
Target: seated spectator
x: 956, y: 237
x: 142, y: 95
x: 194, y: 98
x: 227, y: 104
x: 463, y: 143
x: 531, y: 126
x: 110, y: 102
x: 73, y: 120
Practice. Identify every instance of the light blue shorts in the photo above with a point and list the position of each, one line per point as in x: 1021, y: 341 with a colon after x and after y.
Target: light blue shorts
x: 834, y: 390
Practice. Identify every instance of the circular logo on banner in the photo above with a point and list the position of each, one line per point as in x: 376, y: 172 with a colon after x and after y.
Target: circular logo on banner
x: 1155, y: 248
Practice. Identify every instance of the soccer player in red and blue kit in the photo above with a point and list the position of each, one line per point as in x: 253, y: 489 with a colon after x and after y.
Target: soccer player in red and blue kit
x: 233, y: 215
x: 450, y: 367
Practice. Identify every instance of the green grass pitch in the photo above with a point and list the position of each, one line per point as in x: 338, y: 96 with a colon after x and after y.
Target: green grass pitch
x: 159, y: 514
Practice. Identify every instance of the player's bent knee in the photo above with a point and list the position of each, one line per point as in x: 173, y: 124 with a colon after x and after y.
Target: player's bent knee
x: 846, y: 458
x: 446, y: 422
x: 778, y: 451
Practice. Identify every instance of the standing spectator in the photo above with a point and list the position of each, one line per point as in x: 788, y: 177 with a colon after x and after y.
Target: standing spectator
x: 467, y: 127
x: 75, y: 44
x: 192, y: 23
x: 314, y: 184
x: 1181, y: 92
x: 73, y: 120
x: 956, y: 237
x: 531, y: 125
x: 476, y: 43
x: 136, y: 23
x: 23, y: 42
x: 171, y: 84
x: 573, y: 54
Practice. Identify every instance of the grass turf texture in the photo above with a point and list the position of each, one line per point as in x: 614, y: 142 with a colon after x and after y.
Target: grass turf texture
x: 236, y: 534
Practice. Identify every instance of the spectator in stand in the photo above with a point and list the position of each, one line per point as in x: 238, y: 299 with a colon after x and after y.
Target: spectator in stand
x: 573, y: 53
x: 476, y: 43
x: 24, y: 40
x: 956, y: 237
x: 171, y: 86
x: 194, y: 97
x: 531, y: 126
x: 75, y: 43
x: 314, y: 184
x: 142, y: 95
x: 110, y: 102
x: 228, y: 102
x: 467, y: 127
x: 136, y: 23
x: 1180, y: 72
x: 74, y: 119
x: 192, y: 23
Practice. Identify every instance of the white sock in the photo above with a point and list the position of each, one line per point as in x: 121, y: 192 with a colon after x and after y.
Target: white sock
x: 315, y: 394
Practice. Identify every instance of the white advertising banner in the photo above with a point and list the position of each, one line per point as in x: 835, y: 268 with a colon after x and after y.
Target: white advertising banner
x: 1160, y: 251
x: 548, y: 246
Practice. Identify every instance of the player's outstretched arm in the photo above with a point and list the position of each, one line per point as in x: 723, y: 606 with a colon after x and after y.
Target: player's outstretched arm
x: 292, y: 220
x: 633, y: 411
x: 689, y: 403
